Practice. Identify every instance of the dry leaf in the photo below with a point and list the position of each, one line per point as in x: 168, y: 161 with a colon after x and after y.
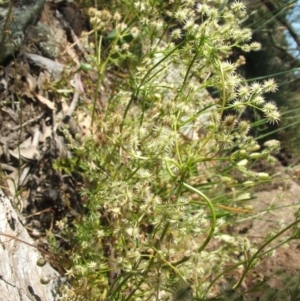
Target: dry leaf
x: 24, y: 175
x: 26, y: 143
x: 47, y: 132
x: 31, y: 82
x: 12, y: 181
x: 28, y: 153
x: 45, y: 101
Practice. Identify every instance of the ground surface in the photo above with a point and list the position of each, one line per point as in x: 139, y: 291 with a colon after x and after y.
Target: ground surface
x: 32, y: 119
x: 33, y: 116
x: 273, y: 207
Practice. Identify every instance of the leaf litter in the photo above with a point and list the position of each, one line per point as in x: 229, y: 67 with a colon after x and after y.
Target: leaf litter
x: 34, y: 118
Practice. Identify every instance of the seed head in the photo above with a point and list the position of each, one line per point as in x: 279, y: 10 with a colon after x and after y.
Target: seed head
x: 270, y: 85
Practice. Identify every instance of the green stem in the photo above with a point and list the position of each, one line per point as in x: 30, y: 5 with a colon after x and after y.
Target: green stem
x: 135, y: 95
x: 98, y: 78
x: 112, y: 291
x: 135, y: 289
x: 260, y: 249
x: 242, y: 263
x: 192, y: 63
x: 176, y: 143
x: 213, y: 215
x: 223, y: 86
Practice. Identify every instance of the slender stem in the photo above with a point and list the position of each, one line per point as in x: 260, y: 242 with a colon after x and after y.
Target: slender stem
x: 242, y: 263
x: 98, y: 79
x: 223, y: 86
x: 192, y: 63
x: 213, y: 215
x: 176, y: 143
x: 113, y: 290
x: 260, y: 249
x: 135, y: 95
x: 135, y: 289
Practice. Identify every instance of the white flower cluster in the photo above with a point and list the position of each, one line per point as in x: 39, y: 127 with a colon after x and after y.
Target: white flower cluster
x: 163, y: 130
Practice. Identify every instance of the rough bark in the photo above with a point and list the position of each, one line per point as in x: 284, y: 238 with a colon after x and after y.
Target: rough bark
x: 14, y: 21
x: 20, y: 276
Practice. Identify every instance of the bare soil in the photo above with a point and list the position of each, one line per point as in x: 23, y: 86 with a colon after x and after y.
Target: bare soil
x: 275, y: 207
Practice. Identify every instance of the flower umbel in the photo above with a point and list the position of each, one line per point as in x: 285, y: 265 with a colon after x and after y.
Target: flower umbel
x: 170, y: 162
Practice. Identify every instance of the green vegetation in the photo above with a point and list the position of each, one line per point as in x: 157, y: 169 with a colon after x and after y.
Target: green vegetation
x: 169, y: 159
x: 167, y: 166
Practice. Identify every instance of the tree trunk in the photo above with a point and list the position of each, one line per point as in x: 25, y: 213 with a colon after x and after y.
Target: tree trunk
x: 15, y: 18
x: 20, y: 276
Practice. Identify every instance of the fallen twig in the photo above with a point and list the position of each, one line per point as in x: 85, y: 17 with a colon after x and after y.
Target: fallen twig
x: 28, y: 122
